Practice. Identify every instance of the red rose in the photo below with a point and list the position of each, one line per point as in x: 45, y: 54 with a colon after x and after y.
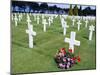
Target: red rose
x: 70, y: 50
x: 74, y: 58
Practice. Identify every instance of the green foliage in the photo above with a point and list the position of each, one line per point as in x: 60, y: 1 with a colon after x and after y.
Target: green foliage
x: 75, y: 10
x: 70, y: 12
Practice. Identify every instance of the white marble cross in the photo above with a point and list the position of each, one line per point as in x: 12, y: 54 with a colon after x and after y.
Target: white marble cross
x: 79, y: 23
x: 86, y: 23
x: 30, y: 14
x: 16, y: 20
x: 55, y: 16
x: 19, y: 17
x: 91, y: 28
x: 62, y: 22
x: 44, y: 23
x: 34, y: 17
x: 28, y: 20
x: 38, y: 18
x: 73, y: 21
x: 31, y: 33
x: 23, y: 13
x: 49, y: 20
x: 65, y: 26
x: 72, y: 41
x: 43, y: 17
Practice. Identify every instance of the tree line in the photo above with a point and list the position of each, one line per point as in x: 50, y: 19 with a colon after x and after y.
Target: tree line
x: 35, y: 7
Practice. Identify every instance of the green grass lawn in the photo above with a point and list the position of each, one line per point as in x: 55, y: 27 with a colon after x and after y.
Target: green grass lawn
x: 46, y: 44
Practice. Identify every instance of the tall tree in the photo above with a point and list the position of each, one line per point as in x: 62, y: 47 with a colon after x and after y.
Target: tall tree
x: 44, y: 7
x: 75, y: 10
x: 70, y: 12
x: 35, y: 6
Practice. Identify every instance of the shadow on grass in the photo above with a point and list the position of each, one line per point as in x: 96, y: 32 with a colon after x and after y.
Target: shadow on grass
x: 85, y: 37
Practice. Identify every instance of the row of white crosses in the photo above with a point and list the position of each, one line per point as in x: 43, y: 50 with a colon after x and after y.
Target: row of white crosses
x: 37, y: 18
x: 82, y: 17
x: 44, y: 22
x: 50, y: 19
x: 71, y: 41
x: 30, y: 31
x: 16, y: 19
x: 91, y: 28
x: 79, y: 23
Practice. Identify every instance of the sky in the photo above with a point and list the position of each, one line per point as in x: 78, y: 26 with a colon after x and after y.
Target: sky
x: 68, y: 5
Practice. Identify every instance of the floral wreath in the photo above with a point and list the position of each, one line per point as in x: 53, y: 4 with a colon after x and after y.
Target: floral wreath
x: 65, y: 60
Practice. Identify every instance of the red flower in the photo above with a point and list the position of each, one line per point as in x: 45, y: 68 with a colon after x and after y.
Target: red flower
x: 70, y: 50
x: 78, y: 59
x: 63, y: 50
x: 74, y: 58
